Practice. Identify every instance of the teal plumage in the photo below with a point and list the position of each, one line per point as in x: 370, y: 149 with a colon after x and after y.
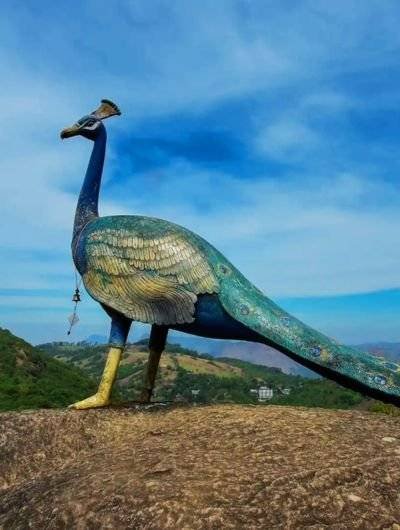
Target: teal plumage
x: 154, y: 271
x: 147, y: 269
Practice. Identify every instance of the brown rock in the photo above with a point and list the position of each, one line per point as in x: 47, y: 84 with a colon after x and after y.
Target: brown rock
x: 199, y: 468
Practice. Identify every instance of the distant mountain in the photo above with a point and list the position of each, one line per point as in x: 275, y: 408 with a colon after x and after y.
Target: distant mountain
x: 261, y: 354
x: 96, y: 339
x: 31, y: 379
x: 389, y: 350
x: 247, y: 351
x: 257, y: 353
x: 57, y: 374
x: 213, y: 380
x: 267, y: 356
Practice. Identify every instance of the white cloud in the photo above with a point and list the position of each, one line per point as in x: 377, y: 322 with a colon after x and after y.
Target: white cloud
x: 287, y: 138
x: 325, y: 232
x: 292, y: 237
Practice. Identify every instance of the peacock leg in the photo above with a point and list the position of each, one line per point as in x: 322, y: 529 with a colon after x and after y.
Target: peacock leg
x: 158, y: 339
x: 119, y: 333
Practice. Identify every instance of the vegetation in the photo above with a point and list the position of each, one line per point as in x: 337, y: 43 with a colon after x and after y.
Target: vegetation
x: 89, y: 357
x: 30, y: 379
x: 189, y: 376
x: 384, y: 408
x: 59, y: 373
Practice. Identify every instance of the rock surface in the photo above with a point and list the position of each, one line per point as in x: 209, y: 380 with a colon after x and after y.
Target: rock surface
x: 213, y: 467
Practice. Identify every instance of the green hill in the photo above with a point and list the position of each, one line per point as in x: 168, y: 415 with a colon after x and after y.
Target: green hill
x: 188, y: 376
x: 59, y: 373
x: 31, y: 379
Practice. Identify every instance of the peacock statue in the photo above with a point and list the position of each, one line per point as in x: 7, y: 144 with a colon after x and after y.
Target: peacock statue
x: 154, y: 271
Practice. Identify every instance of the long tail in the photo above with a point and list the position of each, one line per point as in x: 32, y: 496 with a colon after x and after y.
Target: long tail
x: 371, y: 375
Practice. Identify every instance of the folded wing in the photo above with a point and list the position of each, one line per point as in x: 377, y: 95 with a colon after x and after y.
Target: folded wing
x: 150, y: 275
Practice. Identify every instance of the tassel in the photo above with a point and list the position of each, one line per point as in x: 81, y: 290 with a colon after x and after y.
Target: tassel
x: 73, y: 319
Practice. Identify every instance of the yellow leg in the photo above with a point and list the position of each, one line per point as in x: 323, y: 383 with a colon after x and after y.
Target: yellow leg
x: 102, y: 396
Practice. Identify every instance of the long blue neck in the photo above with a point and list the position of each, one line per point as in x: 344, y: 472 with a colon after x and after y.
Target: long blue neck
x: 87, y: 207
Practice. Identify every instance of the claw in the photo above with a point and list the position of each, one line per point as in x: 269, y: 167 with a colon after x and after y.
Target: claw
x: 91, y: 402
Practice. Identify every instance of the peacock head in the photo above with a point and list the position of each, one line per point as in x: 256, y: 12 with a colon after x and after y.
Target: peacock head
x: 90, y: 126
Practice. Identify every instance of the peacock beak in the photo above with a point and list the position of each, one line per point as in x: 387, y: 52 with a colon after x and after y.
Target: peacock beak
x: 68, y: 132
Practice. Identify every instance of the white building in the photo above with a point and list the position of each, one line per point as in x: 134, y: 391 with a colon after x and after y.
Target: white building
x: 265, y: 393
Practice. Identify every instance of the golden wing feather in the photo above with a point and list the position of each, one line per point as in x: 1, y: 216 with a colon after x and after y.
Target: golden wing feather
x: 150, y: 279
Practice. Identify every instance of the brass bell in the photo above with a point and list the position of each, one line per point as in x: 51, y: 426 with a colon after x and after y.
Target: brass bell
x: 76, y: 298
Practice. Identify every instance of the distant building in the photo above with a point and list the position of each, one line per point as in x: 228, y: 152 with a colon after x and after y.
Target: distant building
x: 265, y: 393
x: 286, y: 391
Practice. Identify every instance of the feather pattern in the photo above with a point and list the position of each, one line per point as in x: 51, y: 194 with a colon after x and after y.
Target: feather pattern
x: 154, y: 271
x: 145, y: 268
x: 249, y: 306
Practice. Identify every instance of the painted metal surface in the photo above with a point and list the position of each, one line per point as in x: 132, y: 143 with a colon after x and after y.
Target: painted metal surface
x: 154, y: 271
x: 147, y: 269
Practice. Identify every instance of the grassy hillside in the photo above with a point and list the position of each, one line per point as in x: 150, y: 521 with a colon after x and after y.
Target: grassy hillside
x: 31, y: 379
x: 57, y: 374
x: 183, y: 371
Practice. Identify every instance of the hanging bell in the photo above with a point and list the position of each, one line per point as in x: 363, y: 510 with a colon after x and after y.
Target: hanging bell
x: 77, y: 297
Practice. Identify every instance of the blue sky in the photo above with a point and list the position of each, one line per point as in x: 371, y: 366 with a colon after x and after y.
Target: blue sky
x: 270, y: 128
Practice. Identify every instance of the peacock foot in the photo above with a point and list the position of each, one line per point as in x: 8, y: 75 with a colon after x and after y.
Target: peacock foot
x: 92, y: 402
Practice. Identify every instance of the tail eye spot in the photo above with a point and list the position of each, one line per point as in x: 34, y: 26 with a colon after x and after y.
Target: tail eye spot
x: 380, y: 379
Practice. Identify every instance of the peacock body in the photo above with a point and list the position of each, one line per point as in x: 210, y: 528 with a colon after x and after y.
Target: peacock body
x: 154, y: 271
